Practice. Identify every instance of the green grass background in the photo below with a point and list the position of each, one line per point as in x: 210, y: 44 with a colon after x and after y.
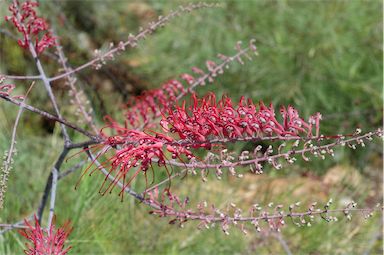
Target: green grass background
x: 321, y: 56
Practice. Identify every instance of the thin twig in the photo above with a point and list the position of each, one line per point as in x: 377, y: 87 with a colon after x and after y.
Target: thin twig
x: 49, y: 116
x: 55, y: 175
x: 12, y: 226
x: 211, y: 218
x: 212, y: 73
x: 165, y: 181
x: 378, y: 132
x: 75, y: 92
x: 131, y: 42
x: 84, y: 144
x: 24, y: 77
x: 164, y: 211
x: 48, y: 88
x: 71, y: 170
x: 43, y: 76
x: 49, y: 183
x: 8, y: 227
x: 188, y: 142
x: 15, y: 225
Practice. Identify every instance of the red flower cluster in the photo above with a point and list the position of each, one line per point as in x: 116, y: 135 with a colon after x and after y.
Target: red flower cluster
x: 25, y: 19
x: 135, y: 148
x: 149, y: 105
x: 206, y: 117
x: 46, y: 242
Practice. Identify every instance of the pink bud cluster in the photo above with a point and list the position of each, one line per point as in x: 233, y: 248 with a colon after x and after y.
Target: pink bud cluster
x: 34, y: 29
x: 46, y: 242
x: 165, y: 202
x: 207, y: 117
x: 6, y: 89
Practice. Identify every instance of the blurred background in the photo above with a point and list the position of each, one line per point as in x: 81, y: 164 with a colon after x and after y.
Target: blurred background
x: 320, y: 56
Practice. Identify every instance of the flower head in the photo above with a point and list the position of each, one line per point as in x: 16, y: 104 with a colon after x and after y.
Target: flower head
x: 145, y: 107
x: 34, y: 29
x: 135, y: 149
x: 46, y: 242
x: 207, y: 117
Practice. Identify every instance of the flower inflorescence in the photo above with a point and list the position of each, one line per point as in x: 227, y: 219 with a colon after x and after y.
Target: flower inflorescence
x: 143, y: 108
x: 207, y: 117
x: 33, y: 28
x: 270, y: 217
x: 46, y: 241
x: 136, y: 149
x: 207, y: 123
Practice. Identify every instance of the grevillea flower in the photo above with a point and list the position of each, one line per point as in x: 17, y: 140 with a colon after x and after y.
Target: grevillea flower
x: 46, y: 242
x: 207, y: 117
x: 146, y: 106
x: 34, y: 29
x: 143, y: 108
x: 132, y: 149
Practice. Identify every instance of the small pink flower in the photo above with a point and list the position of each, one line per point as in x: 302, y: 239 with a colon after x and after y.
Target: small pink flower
x: 189, y: 78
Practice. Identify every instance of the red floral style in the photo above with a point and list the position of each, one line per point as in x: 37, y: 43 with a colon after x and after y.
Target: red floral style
x: 135, y: 148
x: 46, y: 242
x: 34, y: 29
x: 146, y: 106
x: 143, y: 108
x: 206, y: 117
